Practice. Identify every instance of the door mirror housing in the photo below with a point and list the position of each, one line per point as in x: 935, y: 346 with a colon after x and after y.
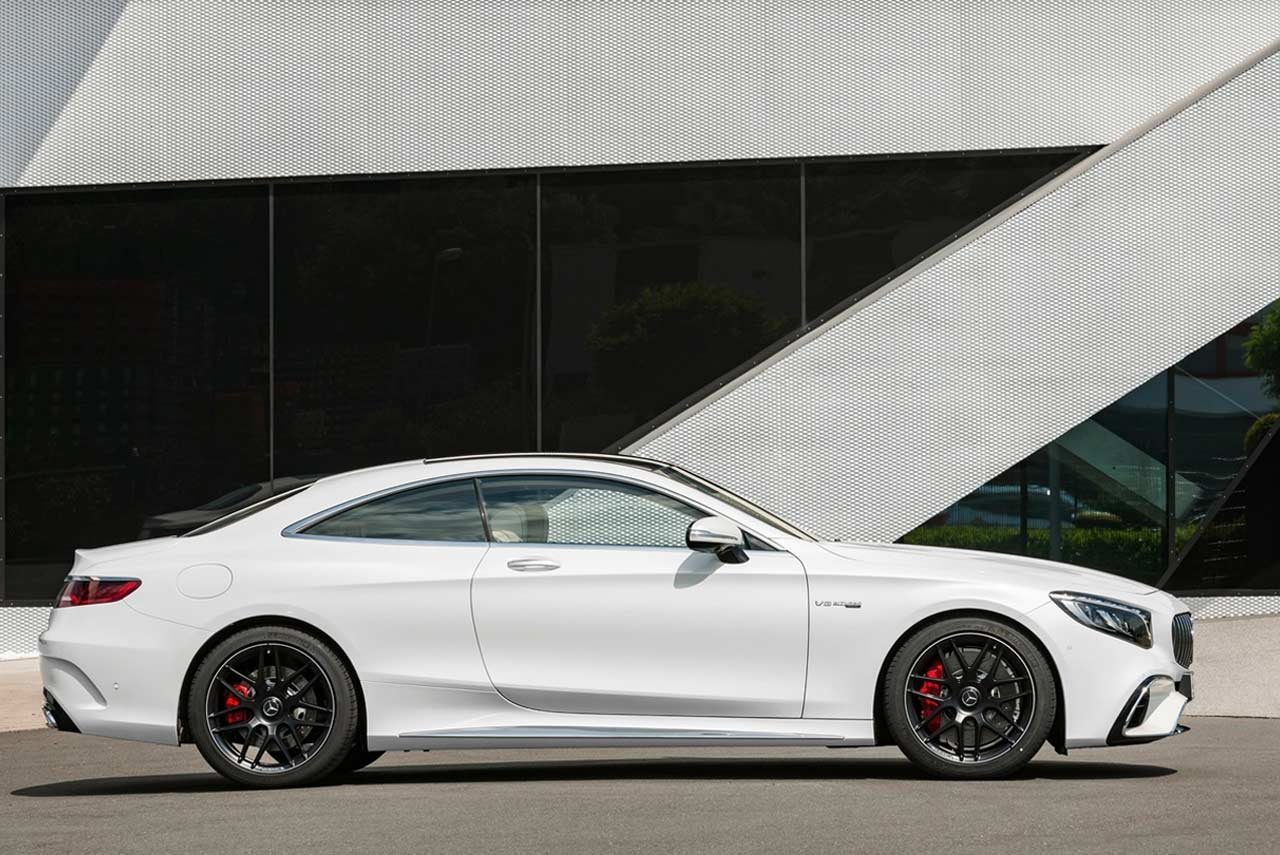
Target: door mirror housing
x: 717, y: 535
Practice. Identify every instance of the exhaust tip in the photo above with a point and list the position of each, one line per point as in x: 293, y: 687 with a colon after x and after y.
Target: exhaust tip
x: 55, y: 716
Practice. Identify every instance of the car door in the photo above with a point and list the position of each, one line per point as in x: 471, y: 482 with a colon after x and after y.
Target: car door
x: 588, y: 601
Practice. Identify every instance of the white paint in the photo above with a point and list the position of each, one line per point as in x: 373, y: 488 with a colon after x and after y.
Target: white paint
x: 203, y: 581
x: 638, y: 638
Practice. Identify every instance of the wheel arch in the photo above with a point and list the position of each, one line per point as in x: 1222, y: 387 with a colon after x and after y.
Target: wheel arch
x: 1057, y: 733
x: 231, y: 629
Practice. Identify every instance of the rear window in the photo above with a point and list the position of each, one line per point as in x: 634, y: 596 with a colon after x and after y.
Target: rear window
x: 439, y: 512
x: 223, y: 522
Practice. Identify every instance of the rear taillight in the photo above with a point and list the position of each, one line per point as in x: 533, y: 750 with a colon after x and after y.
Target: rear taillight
x: 90, y: 591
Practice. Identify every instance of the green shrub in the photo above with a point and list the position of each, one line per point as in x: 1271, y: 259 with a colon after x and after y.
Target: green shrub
x: 1258, y: 431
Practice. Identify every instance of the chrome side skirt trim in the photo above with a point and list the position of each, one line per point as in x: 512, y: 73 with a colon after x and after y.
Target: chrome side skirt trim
x: 556, y: 733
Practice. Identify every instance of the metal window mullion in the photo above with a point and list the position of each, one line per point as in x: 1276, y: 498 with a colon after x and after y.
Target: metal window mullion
x: 804, y: 249
x: 537, y: 311
x: 4, y: 407
x: 271, y: 336
x: 1170, y: 472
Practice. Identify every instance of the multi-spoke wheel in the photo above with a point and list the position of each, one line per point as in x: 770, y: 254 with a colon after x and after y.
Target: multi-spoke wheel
x: 273, y: 706
x: 969, y: 697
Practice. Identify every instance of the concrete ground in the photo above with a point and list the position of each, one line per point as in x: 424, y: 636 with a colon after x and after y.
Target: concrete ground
x: 1215, y: 789
x: 20, y: 694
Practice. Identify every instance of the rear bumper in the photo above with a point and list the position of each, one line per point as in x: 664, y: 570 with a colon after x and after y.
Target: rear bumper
x: 110, y: 671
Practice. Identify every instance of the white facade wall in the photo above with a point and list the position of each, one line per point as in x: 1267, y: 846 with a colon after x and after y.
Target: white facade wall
x: 110, y: 91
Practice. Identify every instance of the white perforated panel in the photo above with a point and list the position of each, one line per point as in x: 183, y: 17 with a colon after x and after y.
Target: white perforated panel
x: 105, y: 91
x: 966, y: 364
x: 616, y: 518
x: 19, y: 629
x: 1209, y: 608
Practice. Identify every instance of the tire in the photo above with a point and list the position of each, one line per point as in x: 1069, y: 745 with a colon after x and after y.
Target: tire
x: 357, y: 758
x: 273, y: 707
x: 969, y: 698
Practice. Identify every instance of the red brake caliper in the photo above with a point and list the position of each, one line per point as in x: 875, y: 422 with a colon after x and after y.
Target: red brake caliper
x: 927, y: 706
x: 233, y: 700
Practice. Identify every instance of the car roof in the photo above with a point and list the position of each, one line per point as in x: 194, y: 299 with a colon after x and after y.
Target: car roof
x: 645, y: 462
x: 390, y: 474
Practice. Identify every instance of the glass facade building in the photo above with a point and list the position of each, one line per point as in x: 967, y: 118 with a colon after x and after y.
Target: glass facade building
x: 174, y: 353
x: 1146, y: 486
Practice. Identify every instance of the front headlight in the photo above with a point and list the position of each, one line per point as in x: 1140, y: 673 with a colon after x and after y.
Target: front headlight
x: 1128, y: 622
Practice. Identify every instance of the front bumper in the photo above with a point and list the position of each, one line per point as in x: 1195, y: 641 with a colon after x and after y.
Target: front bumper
x: 1104, y: 678
x: 1152, y: 711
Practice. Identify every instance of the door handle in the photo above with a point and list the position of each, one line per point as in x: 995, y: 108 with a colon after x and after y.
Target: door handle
x: 532, y: 565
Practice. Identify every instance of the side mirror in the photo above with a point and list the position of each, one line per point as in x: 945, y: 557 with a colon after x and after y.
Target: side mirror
x: 719, y: 536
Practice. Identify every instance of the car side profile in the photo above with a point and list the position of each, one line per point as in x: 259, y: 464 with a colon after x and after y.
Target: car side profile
x: 590, y: 600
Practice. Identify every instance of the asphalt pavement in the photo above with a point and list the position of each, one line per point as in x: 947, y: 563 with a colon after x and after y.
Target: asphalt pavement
x: 1215, y: 789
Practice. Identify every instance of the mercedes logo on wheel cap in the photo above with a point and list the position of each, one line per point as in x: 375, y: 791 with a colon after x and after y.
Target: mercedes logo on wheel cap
x: 271, y: 707
x: 969, y: 696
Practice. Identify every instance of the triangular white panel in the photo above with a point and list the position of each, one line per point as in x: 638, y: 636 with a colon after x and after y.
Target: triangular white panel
x: 886, y: 415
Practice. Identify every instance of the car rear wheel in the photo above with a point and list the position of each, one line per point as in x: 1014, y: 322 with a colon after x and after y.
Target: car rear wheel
x: 273, y: 707
x: 969, y: 698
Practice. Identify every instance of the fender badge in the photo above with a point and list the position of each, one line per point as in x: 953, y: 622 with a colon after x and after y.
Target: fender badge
x: 847, y: 604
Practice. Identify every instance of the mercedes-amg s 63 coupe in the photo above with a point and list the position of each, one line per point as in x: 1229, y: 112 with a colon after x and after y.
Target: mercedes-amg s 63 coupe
x: 589, y: 600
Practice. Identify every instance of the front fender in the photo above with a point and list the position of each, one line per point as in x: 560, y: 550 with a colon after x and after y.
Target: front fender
x: 848, y: 646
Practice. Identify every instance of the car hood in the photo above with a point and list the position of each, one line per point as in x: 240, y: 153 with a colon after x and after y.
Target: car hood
x: 992, y: 567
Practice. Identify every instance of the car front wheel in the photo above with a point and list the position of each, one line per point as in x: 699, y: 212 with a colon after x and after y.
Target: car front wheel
x: 273, y: 707
x: 969, y: 698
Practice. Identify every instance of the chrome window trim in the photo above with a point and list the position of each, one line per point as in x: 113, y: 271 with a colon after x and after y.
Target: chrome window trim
x: 296, y: 529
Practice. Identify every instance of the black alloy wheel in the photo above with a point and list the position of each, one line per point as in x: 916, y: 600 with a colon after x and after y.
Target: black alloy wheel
x: 273, y: 707
x: 969, y: 698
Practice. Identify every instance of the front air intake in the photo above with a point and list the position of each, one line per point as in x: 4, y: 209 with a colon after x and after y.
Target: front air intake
x: 1183, y: 639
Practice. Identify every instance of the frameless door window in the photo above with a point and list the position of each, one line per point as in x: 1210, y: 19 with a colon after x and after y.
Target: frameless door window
x: 446, y: 512
x: 586, y: 511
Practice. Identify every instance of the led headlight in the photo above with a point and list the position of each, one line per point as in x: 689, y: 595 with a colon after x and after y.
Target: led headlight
x: 1128, y: 622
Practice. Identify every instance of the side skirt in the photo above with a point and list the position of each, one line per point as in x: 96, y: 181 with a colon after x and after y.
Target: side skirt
x: 836, y: 733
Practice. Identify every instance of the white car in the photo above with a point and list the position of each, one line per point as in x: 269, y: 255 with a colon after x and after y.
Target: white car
x: 586, y: 600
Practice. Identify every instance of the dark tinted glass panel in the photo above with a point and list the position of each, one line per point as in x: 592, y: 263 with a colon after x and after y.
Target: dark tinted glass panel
x: 656, y: 283
x: 236, y: 516
x: 1239, y: 547
x: 136, y: 369
x: 530, y: 509
x: 404, y: 321
x: 1224, y: 397
x: 867, y: 218
x: 446, y: 512
x: 1094, y: 497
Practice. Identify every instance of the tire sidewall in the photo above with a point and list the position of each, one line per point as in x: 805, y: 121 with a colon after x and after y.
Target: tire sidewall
x: 901, y: 728
x: 345, y: 716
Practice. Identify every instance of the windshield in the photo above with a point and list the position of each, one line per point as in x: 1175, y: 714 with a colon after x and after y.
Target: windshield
x: 734, y: 501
